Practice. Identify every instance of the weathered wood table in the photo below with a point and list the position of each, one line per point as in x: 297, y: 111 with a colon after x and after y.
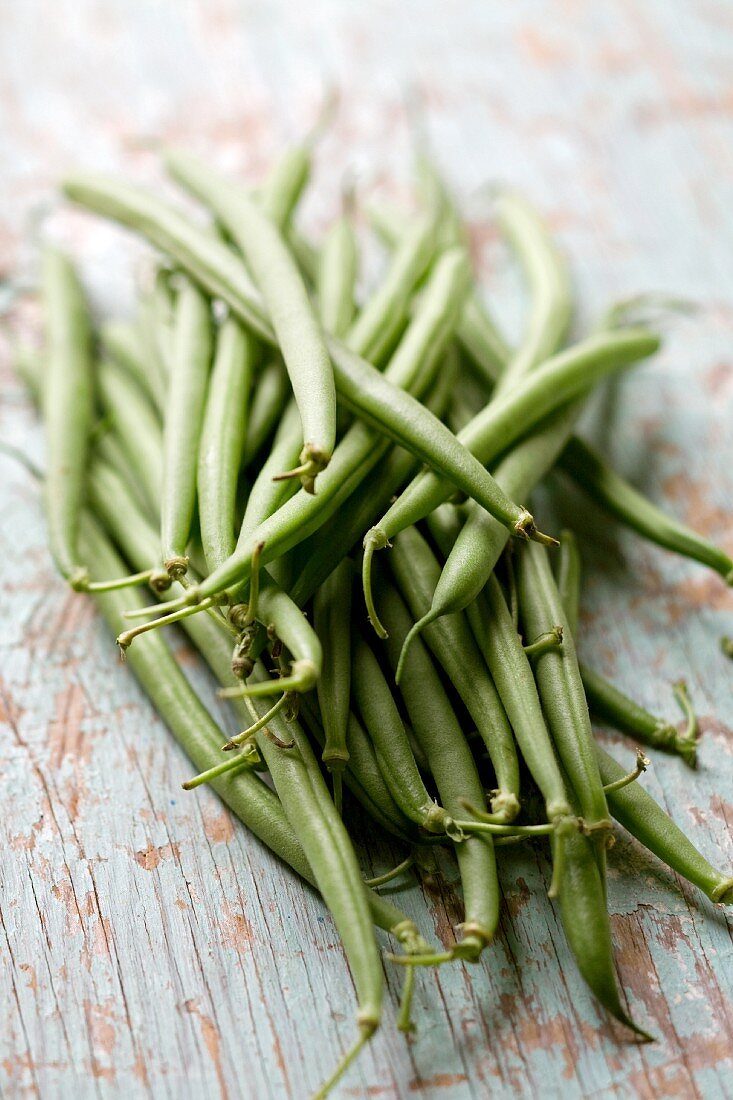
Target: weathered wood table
x: 149, y: 945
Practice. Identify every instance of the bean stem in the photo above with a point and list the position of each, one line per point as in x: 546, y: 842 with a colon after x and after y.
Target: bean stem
x: 642, y: 763
x: 248, y: 734
x: 239, y: 763
x: 395, y: 872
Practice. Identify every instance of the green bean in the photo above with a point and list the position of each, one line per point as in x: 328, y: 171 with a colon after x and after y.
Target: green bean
x: 269, y: 490
x: 115, y: 506
x: 154, y: 326
x: 291, y: 172
x: 413, y: 367
x: 491, y: 432
x: 475, y: 331
x: 122, y: 342
x: 331, y: 618
x: 222, y: 439
x: 285, y: 184
x: 568, y: 578
x: 644, y: 818
x: 268, y: 493
x: 610, y: 705
x: 109, y: 454
x: 444, y: 525
x: 379, y: 323
x: 606, y: 702
x: 113, y: 503
x: 584, y: 917
x: 337, y: 271
x: 212, y: 264
x: 453, y: 768
x: 378, y: 710
x: 254, y: 800
x: 561, y: 691
x: 327, y: 846
x: 270, y: 397
x: 362, y: 775
x: 479, y: 336
x: 416, y: 571
x: 398, y: 415
x: 137, y: 429
x: 613, y: 493
x: 627, y: 504
x: 502, y: 648
x: 198, y: 252
x: 157, y: 314
x: 549, y: 289
x: 68, y: 403
x: 192, y: 348
x: 297, y: 330
x: 337, y: 537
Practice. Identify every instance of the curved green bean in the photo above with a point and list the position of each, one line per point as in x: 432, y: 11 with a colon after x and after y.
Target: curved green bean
x: 296, y: 327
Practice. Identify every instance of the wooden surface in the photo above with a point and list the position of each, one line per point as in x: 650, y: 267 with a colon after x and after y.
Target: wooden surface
x: 149, y: 945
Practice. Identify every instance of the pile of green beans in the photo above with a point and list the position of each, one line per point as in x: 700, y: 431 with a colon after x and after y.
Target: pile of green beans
x: 232, y: 444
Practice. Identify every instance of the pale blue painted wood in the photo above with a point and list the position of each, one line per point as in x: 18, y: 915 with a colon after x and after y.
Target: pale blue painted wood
x: 149, y: 946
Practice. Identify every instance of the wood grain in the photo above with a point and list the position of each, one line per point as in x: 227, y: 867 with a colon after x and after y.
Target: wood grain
x: 150, y: 947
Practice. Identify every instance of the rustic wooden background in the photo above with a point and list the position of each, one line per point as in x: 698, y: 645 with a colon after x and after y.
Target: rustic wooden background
x: 149, y: 945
